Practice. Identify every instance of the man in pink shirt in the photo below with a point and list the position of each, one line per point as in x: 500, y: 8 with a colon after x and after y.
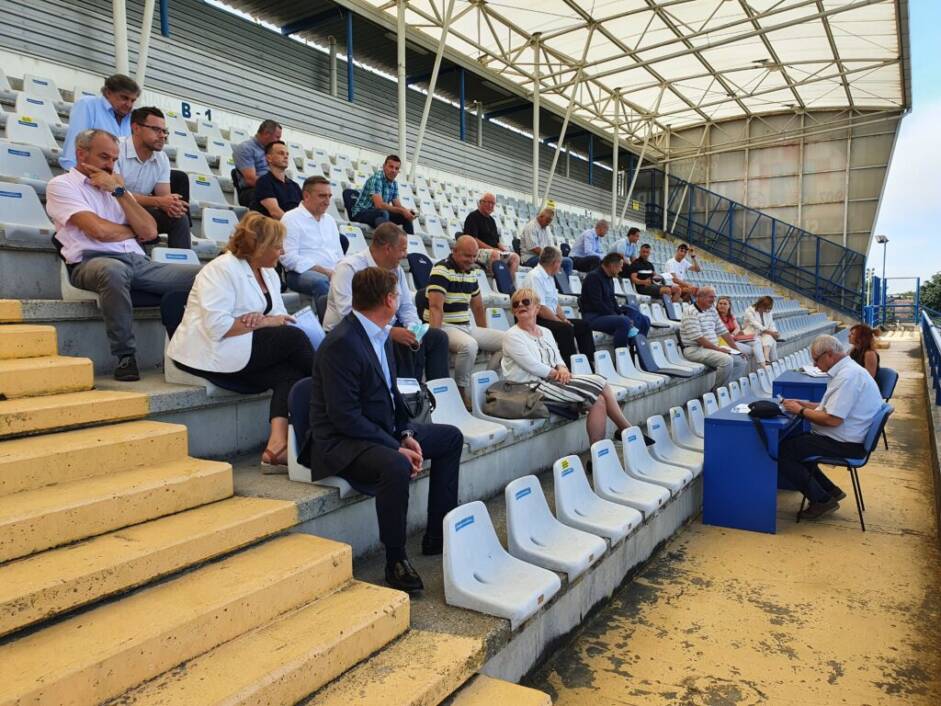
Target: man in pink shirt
x: 100, y: 226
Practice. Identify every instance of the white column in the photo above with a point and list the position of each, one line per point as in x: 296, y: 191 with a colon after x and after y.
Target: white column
x: 402, y: 85
x: 536, y: 119
x: 614, y: 160
x: 666, y: 177
x: 145, y: 33
x: 119, y: 16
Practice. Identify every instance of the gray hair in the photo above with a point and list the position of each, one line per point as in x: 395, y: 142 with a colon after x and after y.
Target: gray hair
x: 549, y: 254
x: 602, y: 223
x: 547, y: 212
x: 705, y: 290
x: 825, y: 344
x: 84, y: 139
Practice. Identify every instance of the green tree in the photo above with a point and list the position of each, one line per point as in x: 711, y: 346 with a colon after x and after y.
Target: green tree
x: 931, y: 292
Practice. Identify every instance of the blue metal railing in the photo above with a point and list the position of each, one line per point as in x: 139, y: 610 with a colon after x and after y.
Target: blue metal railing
x: 932, y: 338
x: 781, y: 252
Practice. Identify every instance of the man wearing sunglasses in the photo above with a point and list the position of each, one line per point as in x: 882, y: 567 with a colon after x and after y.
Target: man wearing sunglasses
x: 146, y: 171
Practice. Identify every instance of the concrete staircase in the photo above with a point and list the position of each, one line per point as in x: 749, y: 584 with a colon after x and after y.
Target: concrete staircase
x: 129, y: 571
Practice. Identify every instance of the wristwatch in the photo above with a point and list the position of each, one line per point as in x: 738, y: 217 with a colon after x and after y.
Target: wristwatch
x: 801, y: 413
x: 407, y: 434
x: 118, y: 192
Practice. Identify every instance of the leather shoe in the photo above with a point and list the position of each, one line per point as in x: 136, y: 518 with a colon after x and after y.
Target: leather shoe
x: 817, y: 510
x: 837, y: 494
x: 402, y: 575
x: 432, y: 546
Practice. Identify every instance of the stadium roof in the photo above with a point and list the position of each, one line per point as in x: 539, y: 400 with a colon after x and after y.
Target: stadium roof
x: 667, y: 63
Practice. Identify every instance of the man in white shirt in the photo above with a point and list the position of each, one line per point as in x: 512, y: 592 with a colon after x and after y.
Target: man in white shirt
x: 312, y: 246
x: 839, y: 423
x: 413, y: 357
x: 535, y: 236
x: 565, y: 331
x: 700, y: 330
x: 677, y: 267
x: 145, y: 168
x: 100, y: 226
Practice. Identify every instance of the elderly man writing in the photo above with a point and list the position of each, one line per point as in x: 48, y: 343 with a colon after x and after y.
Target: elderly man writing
x: 839, y: 423
x: 700, y: 331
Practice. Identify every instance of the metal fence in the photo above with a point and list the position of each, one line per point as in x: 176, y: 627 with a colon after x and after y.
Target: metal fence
x: 932, y: 338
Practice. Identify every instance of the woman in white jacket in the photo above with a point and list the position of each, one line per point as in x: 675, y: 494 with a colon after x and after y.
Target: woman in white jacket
x: 234, y: 326
x: 530, y: 354
x: 760, y: 323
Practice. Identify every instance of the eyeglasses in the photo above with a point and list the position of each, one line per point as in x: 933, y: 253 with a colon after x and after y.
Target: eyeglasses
x: 156, y: 128
x: 521, y: 303
x: 491, y: 203
x: 818, y: 357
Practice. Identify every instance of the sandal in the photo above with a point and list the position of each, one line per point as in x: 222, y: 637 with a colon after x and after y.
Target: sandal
x: 274, y: 462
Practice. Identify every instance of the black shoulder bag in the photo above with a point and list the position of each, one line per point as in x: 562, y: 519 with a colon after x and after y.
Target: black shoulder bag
x: 764, y: 409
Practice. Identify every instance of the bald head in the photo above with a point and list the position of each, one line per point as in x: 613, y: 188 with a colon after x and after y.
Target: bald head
x: 486, y: 203
x: 464, y: 253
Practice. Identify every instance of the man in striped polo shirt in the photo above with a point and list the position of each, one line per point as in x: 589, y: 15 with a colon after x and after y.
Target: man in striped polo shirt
x: 700, y: 330
x: 453, y: 293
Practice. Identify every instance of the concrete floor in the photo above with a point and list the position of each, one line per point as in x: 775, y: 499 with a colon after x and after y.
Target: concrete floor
x: 819, y: 613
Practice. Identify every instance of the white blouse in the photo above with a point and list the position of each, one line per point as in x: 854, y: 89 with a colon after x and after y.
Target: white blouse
x: 527, y: 358
x: 756, y: 323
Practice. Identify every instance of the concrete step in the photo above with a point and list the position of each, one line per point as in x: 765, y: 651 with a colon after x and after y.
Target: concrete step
x: 289, y: 658
x: 487, y: 691
x: 420, y: 668
x: 59, y: 580
x: 35, y: 520
x: 103, y: 652
x: 48, y: 375
x: 10, y: 311
x: 27, y: 341
x: 37, y: 461
x: 32, y: 415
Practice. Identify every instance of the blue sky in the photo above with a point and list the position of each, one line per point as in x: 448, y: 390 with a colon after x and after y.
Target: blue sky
x: 911, y: 205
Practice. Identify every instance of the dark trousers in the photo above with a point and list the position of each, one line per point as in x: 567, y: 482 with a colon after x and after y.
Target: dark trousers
x: 177, y: 229
x: 377, y: 216
x: 430, y: 361
x: 566, y: 336
x: 391, y: 473
x: 616, y: 325
x: 281, y: 355
x: 587, y: 263
x: 806, y: 476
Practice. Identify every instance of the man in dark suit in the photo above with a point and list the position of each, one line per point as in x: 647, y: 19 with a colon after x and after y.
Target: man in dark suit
x: 360, y: 430
x: 600, y: 308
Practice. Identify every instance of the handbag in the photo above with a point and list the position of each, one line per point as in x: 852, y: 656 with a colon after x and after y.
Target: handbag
x: 514, y: 400
x: 418, y: 400
x: 764, y: 409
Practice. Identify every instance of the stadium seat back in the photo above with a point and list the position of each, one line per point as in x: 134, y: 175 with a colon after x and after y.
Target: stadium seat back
x: 723, y: 397
x: 30, y: 130
x: 735, y: 392
x: 41, y: 86
x: 577, y: 506
x: 697, y: 420
x: 440, y: 248
x: 43, y: 108
x: 611, y: 482
x: 205, y: 190
x: 22, y: 216
x: 450, y: 409
x: 191, y: 161
x: 218, y: 224
x: 416, y: 245
x: 353, y: 233
x: 174, y: 256
x: 639, y: 463
x: 24, y: 162
x: 349, y: 199
x: 219, y: 146
x: 420, y: 266
x: 710, y: 403
x: 501, y: 275
x: 681, y: 433
x: 497, y: 319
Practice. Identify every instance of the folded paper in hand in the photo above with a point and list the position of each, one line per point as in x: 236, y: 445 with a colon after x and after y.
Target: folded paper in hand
x: 306, y: 320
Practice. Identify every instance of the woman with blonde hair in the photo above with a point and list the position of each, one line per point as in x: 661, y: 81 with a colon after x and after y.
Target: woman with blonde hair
x: 747, y: 345
x: 760, y: 324
x: 235, y: 325
x: 530, y: 354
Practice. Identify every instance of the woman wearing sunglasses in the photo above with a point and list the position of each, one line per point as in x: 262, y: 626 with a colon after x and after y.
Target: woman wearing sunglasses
x: 530, y: 354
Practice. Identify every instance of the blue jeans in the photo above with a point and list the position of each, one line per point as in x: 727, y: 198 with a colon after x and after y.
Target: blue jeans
x: 311, y: 283
x: 615, y: 324
x: 376, y: 216
x: 567, y: 264
x: 640, y: 321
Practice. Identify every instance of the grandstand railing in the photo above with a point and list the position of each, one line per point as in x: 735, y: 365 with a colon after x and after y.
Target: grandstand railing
x: 932, y: 338
x: 781, y: 252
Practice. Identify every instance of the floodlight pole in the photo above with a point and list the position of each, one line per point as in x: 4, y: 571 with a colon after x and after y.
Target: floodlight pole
x: 119, y: 17
x: 614, y: 159
x: 536, y: 39
x: 145, y: 33
x: 568, y: 115
x: 445, y: 24
x: 402, y: 84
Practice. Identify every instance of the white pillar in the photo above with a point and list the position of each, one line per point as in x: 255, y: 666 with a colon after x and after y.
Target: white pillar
x: 666, y: 178
x: 145, y: 33
x: 536, y: 38
x: 119, y: 16
x: 480, y: 124
x: 402, y: 85
x: 333, y: 65
x: 614, y: 160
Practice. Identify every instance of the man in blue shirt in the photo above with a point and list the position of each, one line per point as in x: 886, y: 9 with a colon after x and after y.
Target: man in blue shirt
x: 587, y: 251
x: 250, y: 160
x: 600, y: 308
x: 378, y: 200
x: 111, y: 111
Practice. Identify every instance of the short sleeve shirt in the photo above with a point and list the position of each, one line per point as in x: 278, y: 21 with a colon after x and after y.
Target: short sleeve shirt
x: 483, y: 228
x: 698, y: 324
x: 628, y: 249
x: 376, y: 184
x: 544, y: 285
x: 643, y: 269
x: 458, y: 289
x: 287, y: 193
x: 250, y: 155
x: 142, y: 176
x: 853, y: 396
x: 677, y: 268
x: 534, y: 236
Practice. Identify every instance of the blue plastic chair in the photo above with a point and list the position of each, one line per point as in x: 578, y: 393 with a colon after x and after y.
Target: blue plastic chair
x: 886, y: 379
x: 420, y: 267
x: 501, y: 275
x: 854, y: 464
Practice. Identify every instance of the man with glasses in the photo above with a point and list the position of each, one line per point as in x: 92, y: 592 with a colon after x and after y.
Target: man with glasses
x: 700, y: 331
x: 839, y: 423
x: 483, y: 227
x: 111, y: 111
x: 146, y: 171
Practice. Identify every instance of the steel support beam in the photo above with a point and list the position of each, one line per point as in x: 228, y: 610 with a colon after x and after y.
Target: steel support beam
x: 689, y: 176
x: 350, y: 92
x: 165, y: 18
x: 614, y: 159
x: 332, y: 41
x: 640, y: 158
x: 308, y: 23
x: 480, y: 124
x: 146, y: 30
x: 666, y: 179
x: 402, y: 82
x: 508, y: 110
x: 462, y: 128
x: 535, y: 39
x: 425, y: 77
x: 591, y: 159
x: 846, y: 179
x: 119, y: 20
x: 446, y: 22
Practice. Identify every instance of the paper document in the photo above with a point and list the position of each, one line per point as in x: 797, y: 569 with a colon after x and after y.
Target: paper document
x: 741, y: 409
x: 307, y: 321
x: 814, y: 371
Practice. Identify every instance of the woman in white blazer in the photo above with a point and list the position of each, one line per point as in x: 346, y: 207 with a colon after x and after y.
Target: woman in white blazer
x: 760, y: 323
x: 234, y: 325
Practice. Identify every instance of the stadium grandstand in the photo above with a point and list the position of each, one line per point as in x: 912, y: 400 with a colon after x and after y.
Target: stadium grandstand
x: 147, y: 556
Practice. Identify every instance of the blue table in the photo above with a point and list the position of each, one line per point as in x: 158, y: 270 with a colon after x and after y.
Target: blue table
x: 740, y: 479
x: 796, y: 385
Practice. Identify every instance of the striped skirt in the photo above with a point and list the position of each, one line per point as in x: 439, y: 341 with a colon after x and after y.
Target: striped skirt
x: 580, y: 392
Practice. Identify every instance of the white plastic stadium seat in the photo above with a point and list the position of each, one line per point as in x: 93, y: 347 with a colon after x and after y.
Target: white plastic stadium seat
x: 625, y: 367
x: 41, y: 86
x: 24, y: 164
x: 37, y: 107
x: 764, y: 383
x: 489, y: 296
x: 735, y: 392
x: 354, y: 236
x: 71, y: 293
x: 174, y: 256
x: 440, y: 249
x: 32, y: 131
x: 681, y: 433
x: 641, y: 465
x: 710, y: 404
x: 450, y: 409
x: 479, y: 574
x: 744, y: 384
x: 205, y: 192
x: 604, y: 366
x: 534, y: 535
x: 497, y: 319
x: 665, y: 450
x: 612, y: 483
x: 22, y: 216
x: 191, y: 161
x: 676, y: 357
x: 209, y: 129
x: 219, y: 147
x: 218, y: 224
x: 663, y: 364
x: 723, y: 396
x: 479, y: 383
x: 697, y: 419
x: 416, y: 245
x: 577, y: 505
